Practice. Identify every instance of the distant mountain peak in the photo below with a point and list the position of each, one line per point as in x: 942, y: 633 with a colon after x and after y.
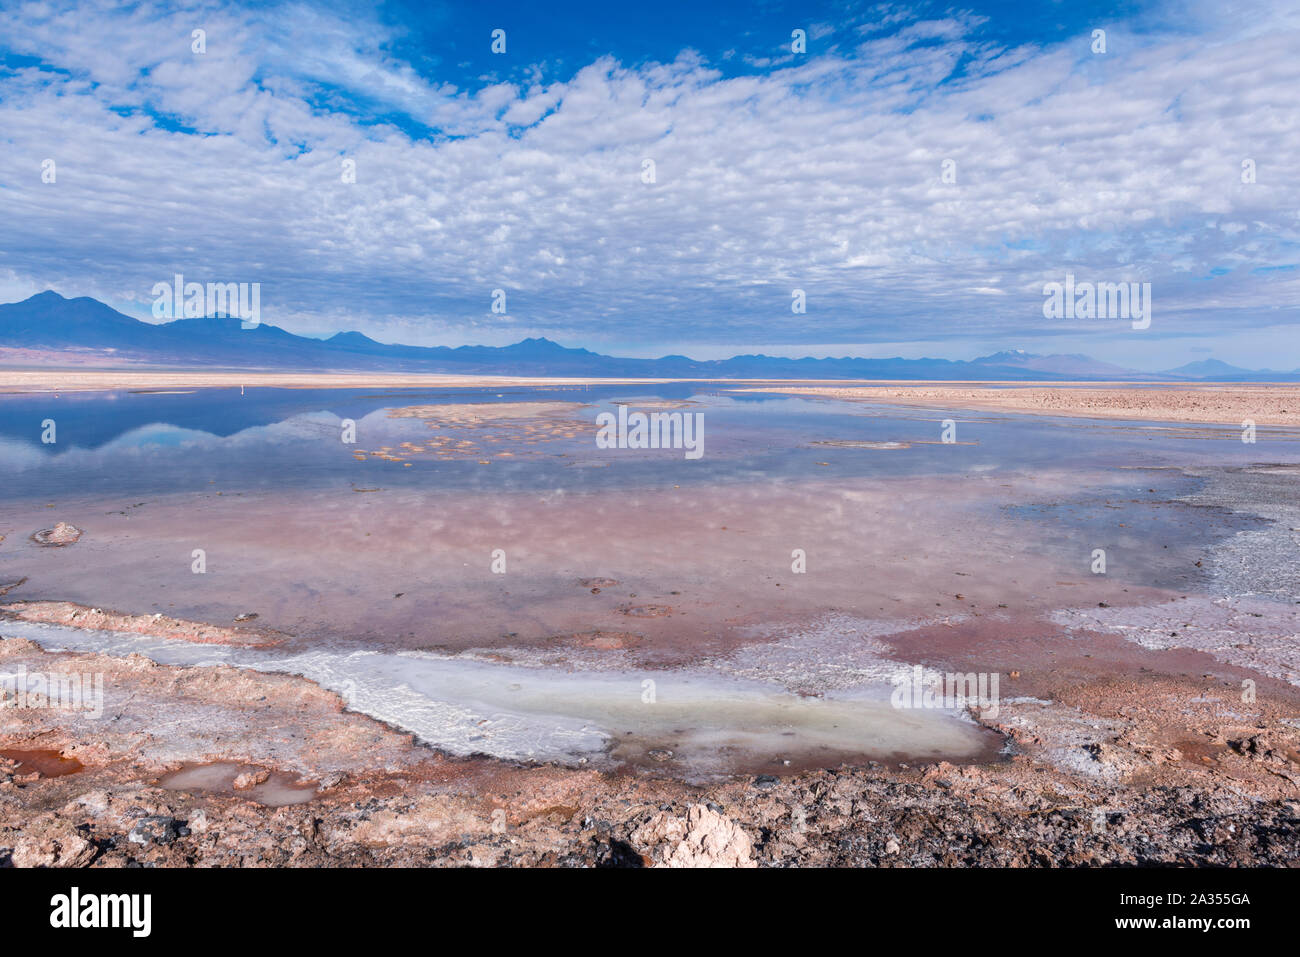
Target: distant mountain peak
x: 84, y: 328
x: 1217, y: 365
x: 1203, y: 368
x: 1007, y: 354
x: 352, y: 338
x: 540, y: 346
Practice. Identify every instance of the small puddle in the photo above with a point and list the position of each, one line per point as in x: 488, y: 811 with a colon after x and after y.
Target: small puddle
x: 786, y: 734
x: 46, y: 763
x: 278, y: 790
x: 691, y: 723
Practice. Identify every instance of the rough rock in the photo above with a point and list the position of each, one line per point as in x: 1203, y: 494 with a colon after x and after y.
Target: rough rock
x: 250, y: 779
x: 48, y: 842
x: 154, y: 829
x: 703, y: 838
x: 61, y: 534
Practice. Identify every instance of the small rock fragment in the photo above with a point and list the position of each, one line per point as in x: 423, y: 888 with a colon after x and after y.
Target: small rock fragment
x: 250, y: 779
x: 61, y: 534
x: 154, y: 829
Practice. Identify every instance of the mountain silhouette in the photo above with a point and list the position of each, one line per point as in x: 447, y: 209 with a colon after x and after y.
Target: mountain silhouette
x: 51, y: 331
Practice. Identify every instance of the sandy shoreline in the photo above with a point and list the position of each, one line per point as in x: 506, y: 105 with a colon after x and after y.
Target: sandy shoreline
x: 71, y: 380
x: 1267, y: 404
x: 1263, y: 403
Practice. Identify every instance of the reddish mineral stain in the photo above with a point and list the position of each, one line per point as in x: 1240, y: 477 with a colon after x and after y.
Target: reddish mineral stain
x: 46, y: 763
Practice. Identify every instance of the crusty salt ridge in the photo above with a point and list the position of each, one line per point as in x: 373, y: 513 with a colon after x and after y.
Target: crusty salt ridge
x: 68, y: 613
x: 468, y: 706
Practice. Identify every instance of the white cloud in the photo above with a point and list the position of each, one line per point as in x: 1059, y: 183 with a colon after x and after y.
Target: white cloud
x: 822, y: 174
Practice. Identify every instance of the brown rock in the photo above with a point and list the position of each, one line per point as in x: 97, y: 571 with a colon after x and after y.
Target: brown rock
x: 704, y: 838
x: 249, y: 779
x: 61, y: 534
x: 48, y: 842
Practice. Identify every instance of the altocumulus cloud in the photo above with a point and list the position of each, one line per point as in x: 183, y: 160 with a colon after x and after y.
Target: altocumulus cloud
x: 820, y: 171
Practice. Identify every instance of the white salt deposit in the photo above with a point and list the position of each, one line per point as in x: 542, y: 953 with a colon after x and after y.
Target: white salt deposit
x: 700, y: 721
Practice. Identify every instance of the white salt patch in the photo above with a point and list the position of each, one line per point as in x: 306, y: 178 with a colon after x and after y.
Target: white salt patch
x: 462, y: 706
x: 835, y: 652
x: 1258, y: 634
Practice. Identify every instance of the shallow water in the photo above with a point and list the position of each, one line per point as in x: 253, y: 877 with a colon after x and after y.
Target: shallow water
x: 45, y: 762
x: 383, y: 592
x: 710, y: 724
x: 278, y: 790
x: 133, y: 443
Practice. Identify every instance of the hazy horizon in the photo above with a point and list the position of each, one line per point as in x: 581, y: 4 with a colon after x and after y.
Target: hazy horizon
x: 790, y: 352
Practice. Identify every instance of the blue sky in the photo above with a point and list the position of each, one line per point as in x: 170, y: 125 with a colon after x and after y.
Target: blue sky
x: 774, y: 170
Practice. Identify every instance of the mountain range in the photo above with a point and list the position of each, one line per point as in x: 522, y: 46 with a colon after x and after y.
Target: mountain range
x: 49, y: 331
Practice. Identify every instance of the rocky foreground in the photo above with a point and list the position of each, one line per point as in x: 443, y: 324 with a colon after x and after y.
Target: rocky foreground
x: 78, y: 790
